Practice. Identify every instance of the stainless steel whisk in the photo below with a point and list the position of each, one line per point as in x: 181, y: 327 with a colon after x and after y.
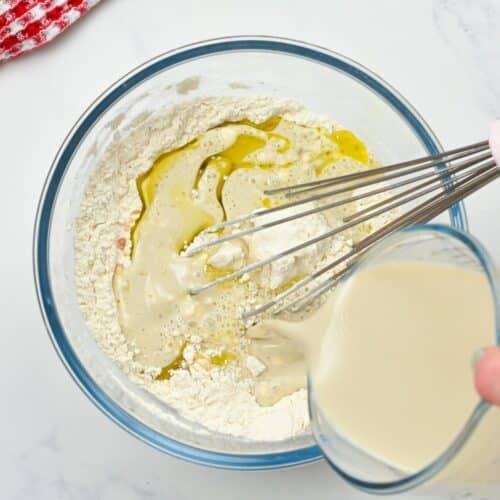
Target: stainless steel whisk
x: 439, y: 180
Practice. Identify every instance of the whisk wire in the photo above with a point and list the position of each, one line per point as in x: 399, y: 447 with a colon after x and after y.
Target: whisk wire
x: 441, y: 174
x: 474, y: 169
x: 422, y: 214
x: 429, y: 161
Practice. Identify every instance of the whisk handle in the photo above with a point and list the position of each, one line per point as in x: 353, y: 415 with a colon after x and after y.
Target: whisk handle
x: 495, y: 141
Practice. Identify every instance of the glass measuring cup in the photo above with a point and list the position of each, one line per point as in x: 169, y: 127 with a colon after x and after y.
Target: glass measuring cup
x: 470, y: 466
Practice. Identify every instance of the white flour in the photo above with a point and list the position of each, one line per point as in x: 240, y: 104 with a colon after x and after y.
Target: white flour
x: 220, y: 398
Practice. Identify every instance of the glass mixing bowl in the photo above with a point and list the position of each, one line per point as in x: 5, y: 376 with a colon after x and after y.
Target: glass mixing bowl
x: 326, y: 83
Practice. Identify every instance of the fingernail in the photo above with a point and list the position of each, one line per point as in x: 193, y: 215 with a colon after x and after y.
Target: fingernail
x: 476, y: 356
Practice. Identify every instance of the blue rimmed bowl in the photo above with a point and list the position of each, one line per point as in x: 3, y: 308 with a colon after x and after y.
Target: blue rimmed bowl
x: 326, y: 83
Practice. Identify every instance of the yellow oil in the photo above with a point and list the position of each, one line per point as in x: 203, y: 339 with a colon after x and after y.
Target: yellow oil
x: 195, y: 218
x: 223, y: 358
x: 286, y: 142
x: 349, y: 145
x: 267, y: 126
x: 243, y: 146
x: 213, y: 273
x: 267, y: 202
x: 325, y: 159
x: 231, y: 159
x: 285, y: 286
x: 148, y: 182
x: 147, y: 185
x: 166, y: 371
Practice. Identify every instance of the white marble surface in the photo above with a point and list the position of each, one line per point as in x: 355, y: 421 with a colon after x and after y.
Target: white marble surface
x: 443, y: 55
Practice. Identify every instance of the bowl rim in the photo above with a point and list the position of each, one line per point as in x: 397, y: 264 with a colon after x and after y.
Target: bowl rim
x: 48, y: 197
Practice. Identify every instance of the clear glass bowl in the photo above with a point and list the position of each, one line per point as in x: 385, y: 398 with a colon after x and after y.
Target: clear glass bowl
x: 326, y: 83
x: 470, y: 466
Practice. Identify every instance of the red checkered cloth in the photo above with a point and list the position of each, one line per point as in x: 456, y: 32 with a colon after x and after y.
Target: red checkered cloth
x: 27, y: 24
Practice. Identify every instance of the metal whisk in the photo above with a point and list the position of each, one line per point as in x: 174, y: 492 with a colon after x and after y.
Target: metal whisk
x: 439, y: 181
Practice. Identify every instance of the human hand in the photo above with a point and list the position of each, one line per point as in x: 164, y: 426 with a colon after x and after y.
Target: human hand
x: 487, y: 375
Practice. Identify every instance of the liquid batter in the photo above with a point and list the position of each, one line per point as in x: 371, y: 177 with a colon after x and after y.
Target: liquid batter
x: 394, y: 369
x: 223, y: 174
x: 389, y: 356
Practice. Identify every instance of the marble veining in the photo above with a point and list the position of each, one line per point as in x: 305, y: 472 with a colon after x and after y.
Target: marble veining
x: 54, y: 443
x: 471, y: 29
